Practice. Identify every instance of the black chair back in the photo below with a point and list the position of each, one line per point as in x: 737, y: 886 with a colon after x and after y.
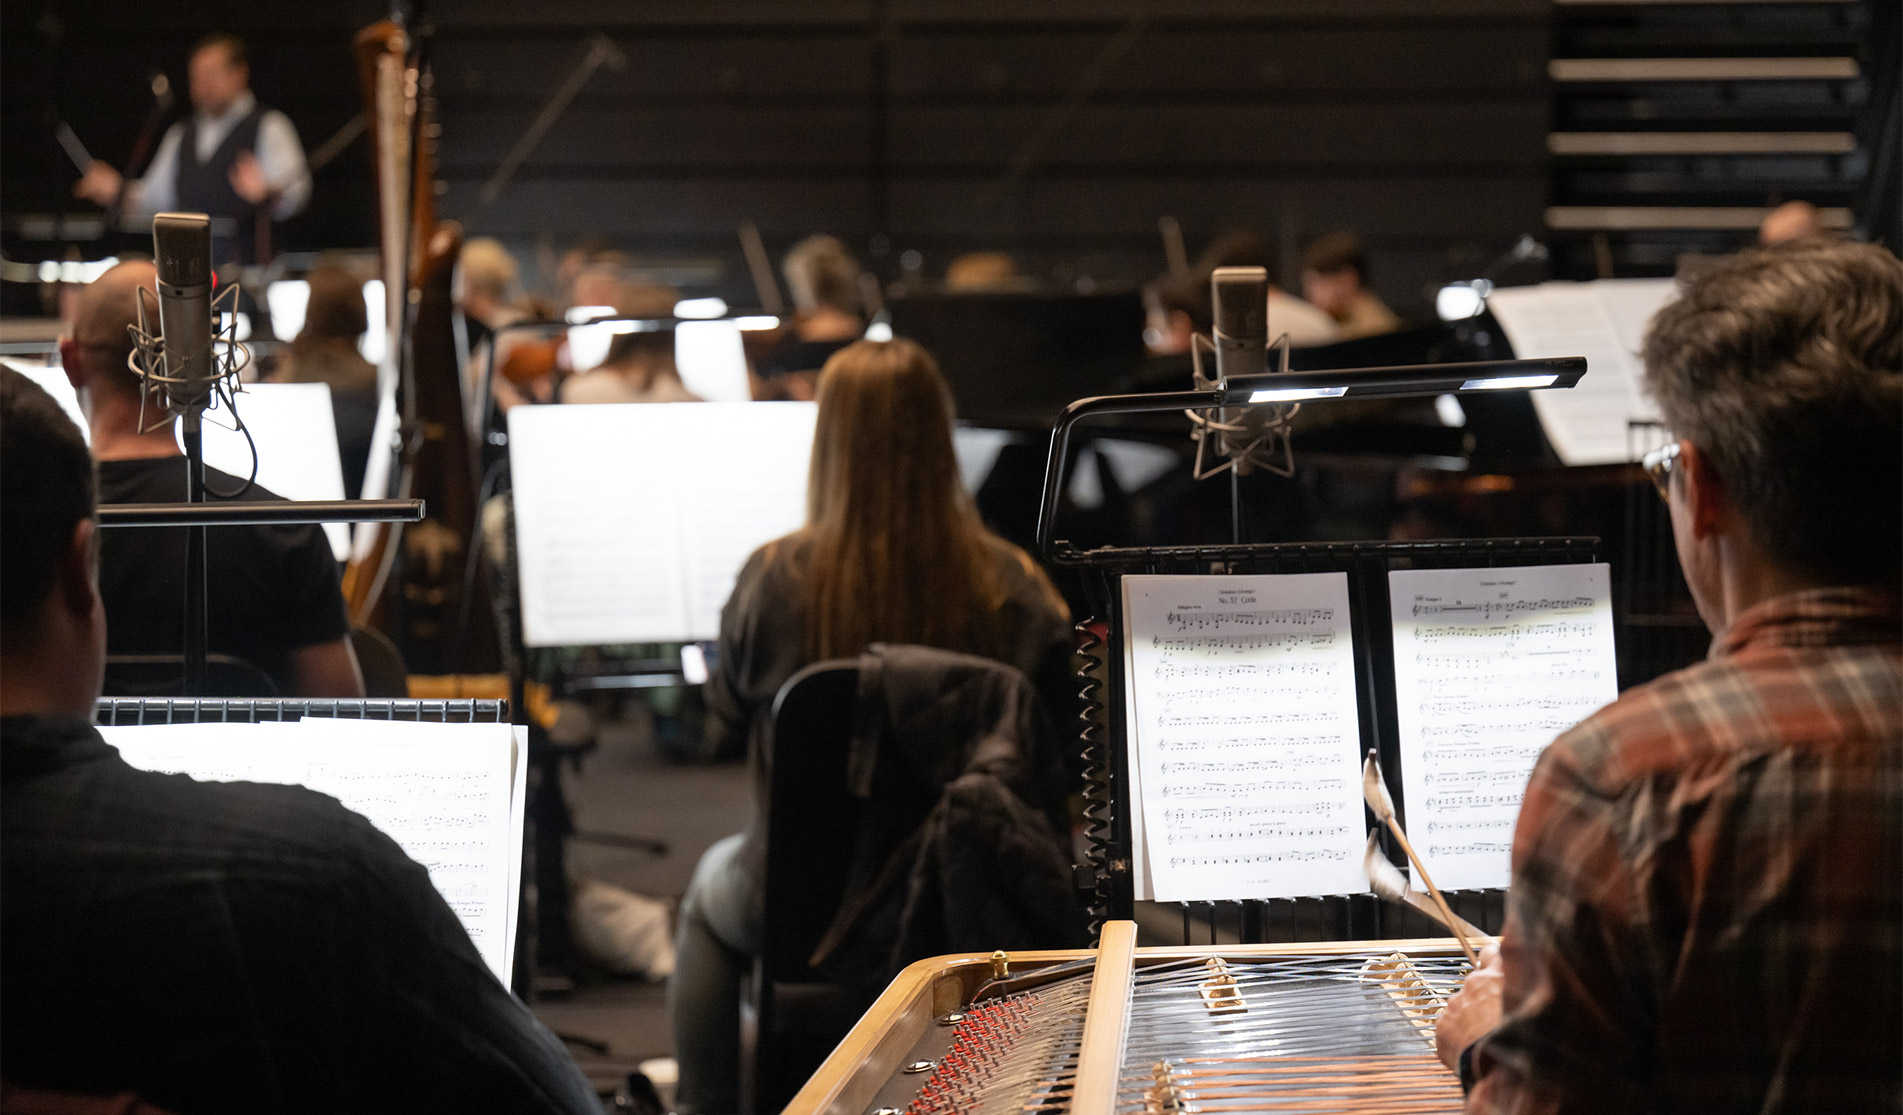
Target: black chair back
x: 384, y: 674
x: 811, y: 817
x: 163, y: 675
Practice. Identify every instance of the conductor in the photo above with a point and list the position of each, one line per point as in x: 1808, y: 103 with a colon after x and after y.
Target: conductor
x: 233, y: 158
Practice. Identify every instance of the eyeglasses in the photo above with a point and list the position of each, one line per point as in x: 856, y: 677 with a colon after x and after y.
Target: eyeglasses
x: 1658, y: 465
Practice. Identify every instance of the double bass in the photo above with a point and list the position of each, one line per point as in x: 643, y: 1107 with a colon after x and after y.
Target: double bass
x: 425, y: 584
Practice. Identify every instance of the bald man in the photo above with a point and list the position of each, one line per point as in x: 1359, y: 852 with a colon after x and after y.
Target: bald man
x: 1793, y: 220
x: 273, y: 590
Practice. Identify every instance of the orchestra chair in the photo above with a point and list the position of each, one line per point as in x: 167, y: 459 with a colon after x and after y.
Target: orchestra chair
x: 792, y: 1015
x: 818, y: 829
x: 381, y: 663
x: 163, y: 675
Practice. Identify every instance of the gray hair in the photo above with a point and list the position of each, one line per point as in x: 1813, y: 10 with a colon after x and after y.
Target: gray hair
x: 821, y: 271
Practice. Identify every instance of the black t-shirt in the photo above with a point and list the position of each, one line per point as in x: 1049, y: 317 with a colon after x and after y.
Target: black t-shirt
x: 270, y: 589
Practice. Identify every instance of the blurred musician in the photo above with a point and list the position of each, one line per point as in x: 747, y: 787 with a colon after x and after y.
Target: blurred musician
x: 325, y: 351
x: 1335, y: 281
x: 823, y: 276
x: 1179, y: 305
x: 893, y: 551
x: 232, y: 158
x: 1707, y: 902
x: 1793, y: 220
x: 639, y: 367
x: 207, y: 946
x: 487, y: 275
x: 274, y: 596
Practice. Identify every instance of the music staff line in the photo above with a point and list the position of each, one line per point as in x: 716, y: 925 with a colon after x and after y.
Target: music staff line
x: 1226, y: 814
x: 1255, y: 832
x: 1329, y: 855
x: 1279, y: 641
x: 1486, y: 609
x: 1294, y: 617
x: 1467, y: 706
x: 1508, y: 632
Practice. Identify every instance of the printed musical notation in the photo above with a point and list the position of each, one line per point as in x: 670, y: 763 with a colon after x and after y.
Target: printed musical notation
x: 443, y: 792
x: 1244, y: 730
x: 1256, y: 859
x: 1487, y: 609
x: 1276, y: 617
x: 1490, y: 665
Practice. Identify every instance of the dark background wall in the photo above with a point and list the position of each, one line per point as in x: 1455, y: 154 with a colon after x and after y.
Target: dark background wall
x: 1058, y: 130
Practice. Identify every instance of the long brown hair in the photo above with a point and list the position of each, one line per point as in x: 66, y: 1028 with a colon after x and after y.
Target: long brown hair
x: 895, y: 549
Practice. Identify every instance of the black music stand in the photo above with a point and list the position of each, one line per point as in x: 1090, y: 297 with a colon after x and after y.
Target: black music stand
x: 1106, y: 879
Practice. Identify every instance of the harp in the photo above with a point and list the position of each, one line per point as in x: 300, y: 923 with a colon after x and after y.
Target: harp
x: 426, y: 585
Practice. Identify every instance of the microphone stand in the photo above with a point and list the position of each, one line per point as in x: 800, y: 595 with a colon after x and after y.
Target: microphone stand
x: 154, y: 365
x: 197, y: 599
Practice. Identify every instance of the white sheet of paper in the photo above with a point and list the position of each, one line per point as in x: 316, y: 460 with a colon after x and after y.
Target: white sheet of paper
x: 1489, y: 666
x: 295, y: 430
x: 1604, y: 322
x: 743, y: 482
x: 632, y: 520
x: 1246, y: 735
x: 55, y: 383
x: 443, y: 792
x: 712, y: 361
x: 977, y: 450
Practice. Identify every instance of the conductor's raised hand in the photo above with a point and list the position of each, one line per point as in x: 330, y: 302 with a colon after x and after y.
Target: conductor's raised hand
x: 247, y: 178
x: 99, y: 185
x: 1473, y: 1011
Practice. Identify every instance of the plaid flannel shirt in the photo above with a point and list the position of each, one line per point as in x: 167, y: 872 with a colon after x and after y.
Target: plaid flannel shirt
x: 1707, y: 901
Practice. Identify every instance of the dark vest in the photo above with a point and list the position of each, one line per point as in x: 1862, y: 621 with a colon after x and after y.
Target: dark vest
x: 206, y: 187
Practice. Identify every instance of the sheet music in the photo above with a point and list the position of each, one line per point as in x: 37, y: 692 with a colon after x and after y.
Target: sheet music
x: 746, y: 493
x: 446, y: 793
x: 596, y: 513
x: 1489, y: 666
x: 1605, y: 322
x: 1246, y: 735
x: 632, y: 520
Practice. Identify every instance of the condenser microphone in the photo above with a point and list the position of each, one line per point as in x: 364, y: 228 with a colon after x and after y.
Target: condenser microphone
x: 1240, y: 298
x: 181, y: 247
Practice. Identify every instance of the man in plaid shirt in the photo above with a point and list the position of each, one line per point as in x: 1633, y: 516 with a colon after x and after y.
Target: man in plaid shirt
x: 1707, y: 901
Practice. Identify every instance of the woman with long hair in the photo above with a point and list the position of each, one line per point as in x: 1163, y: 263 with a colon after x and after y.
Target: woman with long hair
x: 892, y: 551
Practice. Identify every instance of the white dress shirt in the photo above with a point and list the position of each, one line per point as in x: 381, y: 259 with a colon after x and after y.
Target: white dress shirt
x: 279, y: 155
x: 1304, y: 323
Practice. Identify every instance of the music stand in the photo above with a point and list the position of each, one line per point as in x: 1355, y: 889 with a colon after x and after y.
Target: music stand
x: 1106, y: 879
